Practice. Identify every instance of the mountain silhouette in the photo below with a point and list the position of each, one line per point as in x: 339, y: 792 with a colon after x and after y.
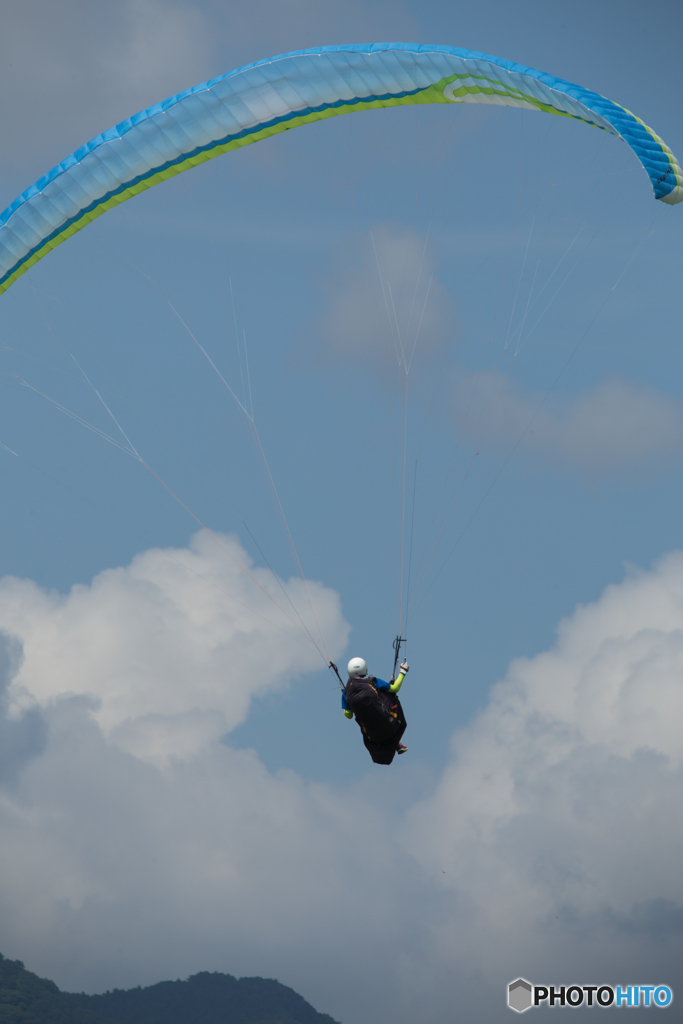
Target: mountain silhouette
x: 205, y: 998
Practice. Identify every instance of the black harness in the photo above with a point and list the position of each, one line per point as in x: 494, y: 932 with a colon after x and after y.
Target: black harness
x: 376, y: 710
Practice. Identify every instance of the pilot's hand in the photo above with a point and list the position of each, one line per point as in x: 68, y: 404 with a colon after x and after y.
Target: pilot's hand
x: 405, y: 668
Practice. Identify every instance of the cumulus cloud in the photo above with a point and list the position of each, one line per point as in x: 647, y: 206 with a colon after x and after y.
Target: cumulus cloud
x: 23, y: 735
x: 387, y: 307
x: 387, y: 304
x: 554, y: 833
x: 214, y: 859
x: 71, y: 69
x: 172, y: 648
x: 618, y: 428
x: 550, y: 847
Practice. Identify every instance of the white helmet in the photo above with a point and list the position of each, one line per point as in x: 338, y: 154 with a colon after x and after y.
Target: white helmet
x: 357, y: 667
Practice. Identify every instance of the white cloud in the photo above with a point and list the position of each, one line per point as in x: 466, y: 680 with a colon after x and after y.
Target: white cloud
x: 212, y: 863
x: 70, y: 70
x: 387, y: 304
x: 551, y: 846
x: 172, y: 647
x: 555, y: 833
x: 23, y: 735
x: 618, y: 428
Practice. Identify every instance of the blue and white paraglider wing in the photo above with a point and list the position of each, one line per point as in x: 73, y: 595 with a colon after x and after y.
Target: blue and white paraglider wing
x: 284, y: 92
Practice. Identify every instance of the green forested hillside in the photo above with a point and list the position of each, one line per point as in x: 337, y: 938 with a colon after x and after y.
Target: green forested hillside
x: 208, y: 999
x: 27, y: 999
x: 202, y: 999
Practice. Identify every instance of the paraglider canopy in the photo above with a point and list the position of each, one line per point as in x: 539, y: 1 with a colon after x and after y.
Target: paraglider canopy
x: 283, y: 92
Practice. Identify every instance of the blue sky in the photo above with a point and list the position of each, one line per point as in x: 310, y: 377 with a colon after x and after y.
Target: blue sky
x: 486, y: 218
